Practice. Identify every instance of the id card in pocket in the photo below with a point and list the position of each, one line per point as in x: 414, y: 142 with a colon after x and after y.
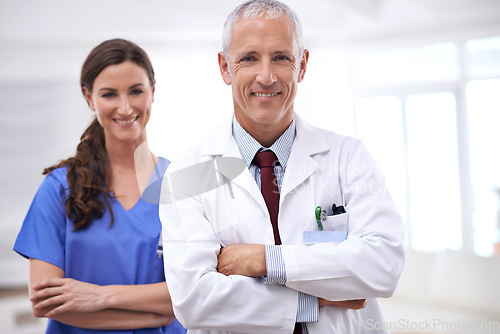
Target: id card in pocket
x: 314, y: 237
x: 334, y: 230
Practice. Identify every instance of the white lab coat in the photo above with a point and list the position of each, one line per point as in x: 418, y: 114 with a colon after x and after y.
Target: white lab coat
x: 323, y: 168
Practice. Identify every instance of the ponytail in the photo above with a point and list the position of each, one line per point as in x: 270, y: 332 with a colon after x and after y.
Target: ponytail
x: 88, y: 179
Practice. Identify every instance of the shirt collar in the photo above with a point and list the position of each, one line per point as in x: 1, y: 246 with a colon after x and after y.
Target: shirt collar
x: 249, y: 147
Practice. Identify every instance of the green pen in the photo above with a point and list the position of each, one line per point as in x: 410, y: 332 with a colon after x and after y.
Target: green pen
x: 319, y: 213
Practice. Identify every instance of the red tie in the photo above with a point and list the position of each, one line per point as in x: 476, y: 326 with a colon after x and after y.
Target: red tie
x: 269, y: 188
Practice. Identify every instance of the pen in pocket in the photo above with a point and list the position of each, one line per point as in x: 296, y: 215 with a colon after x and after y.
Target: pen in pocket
x: 320, y: 216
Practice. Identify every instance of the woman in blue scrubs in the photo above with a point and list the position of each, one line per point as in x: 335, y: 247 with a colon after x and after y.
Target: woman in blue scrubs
x: 91, y: 233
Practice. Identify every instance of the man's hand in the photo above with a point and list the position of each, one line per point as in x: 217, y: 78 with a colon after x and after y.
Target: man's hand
x: 243, y: 259
x: 356, y: 304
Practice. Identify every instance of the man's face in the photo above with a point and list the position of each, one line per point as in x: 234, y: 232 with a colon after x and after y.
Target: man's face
x: 264, y: 68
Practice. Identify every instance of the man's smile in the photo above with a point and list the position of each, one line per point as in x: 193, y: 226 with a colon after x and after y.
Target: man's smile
x: 265, y: 95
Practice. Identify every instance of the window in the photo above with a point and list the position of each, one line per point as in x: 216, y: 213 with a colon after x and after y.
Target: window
x: 434, y: 200
x: 420, y: 111
x: 483, y: 105
x: 483, y: 57
x: 415, y: 143
x: 428, y: 63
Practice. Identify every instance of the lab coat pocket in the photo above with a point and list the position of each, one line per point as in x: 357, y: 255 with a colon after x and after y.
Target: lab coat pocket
x: 334, y: 230
x: 336, y: 222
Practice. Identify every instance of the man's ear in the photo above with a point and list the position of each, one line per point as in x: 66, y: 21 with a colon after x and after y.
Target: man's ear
x: 88, y: 97
x: 303, y: 65
x: 224, y: 68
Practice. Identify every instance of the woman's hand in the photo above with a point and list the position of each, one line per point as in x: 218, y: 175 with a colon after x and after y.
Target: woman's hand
x: 57, y: 295
x: 91, y: 306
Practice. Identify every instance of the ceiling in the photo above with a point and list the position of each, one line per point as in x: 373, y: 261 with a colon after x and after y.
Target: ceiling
x: 332, y: 20
x: 50, y: 38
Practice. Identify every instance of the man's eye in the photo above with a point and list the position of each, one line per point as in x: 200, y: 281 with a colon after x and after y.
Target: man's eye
x: 247, y: 59
x: 282, y: 58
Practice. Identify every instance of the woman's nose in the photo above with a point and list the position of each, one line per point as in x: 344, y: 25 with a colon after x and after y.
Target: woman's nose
x: 124, y: 108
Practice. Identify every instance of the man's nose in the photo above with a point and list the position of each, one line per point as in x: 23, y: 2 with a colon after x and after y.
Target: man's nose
x: 266, y: 75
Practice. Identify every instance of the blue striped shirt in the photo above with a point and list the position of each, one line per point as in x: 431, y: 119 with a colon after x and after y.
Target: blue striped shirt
x: 276, y: 272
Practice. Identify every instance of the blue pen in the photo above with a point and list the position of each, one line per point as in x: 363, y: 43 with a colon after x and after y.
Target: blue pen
x: 320, y: 215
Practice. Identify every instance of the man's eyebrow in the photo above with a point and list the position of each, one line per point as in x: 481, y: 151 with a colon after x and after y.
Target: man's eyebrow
x: 282, y: 52
x: 277, y: 52
x: 247, y: 53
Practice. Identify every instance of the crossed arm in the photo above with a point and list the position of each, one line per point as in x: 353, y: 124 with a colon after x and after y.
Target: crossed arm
x: 92, y: 306
x: 250, y: 260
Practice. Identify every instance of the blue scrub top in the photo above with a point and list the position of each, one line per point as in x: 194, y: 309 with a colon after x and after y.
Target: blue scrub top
x: 124, y: 253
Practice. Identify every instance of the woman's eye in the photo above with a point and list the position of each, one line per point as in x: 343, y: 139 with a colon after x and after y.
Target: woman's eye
x: 108, y: 95
x: 136, y: 92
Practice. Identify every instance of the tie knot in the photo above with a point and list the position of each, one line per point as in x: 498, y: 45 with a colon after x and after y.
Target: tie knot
x: 265, y: 159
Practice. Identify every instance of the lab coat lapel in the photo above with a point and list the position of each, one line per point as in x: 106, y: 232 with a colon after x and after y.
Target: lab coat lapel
x: 222, y: 144
x: 308, y: 142
x: 301, y: 165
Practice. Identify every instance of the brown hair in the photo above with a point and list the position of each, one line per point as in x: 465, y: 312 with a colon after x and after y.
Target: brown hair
x: 88, y: 171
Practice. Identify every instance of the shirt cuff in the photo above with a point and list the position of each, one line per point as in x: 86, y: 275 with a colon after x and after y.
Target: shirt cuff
x: 276, y: 273
x: 308, y: 309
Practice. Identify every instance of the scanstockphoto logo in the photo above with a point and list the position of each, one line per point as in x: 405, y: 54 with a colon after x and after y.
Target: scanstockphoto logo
x: 205, y: 176
x: 435, y: 325
x: 193, y: 180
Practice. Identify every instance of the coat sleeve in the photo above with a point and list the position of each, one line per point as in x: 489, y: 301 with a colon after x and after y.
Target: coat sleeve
x: 202, y: 298
x: 369, y: 262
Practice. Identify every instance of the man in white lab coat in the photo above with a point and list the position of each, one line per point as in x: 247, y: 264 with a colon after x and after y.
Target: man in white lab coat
x: 225, y: 271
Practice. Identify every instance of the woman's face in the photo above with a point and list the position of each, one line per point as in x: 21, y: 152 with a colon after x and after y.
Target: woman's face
x: 122, y: 97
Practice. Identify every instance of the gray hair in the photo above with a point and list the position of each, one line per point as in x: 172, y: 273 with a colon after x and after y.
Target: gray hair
x: 270, y: 9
